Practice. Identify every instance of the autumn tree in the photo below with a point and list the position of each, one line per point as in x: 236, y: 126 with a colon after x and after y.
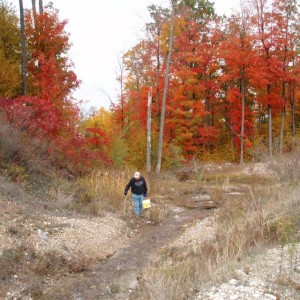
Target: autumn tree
x: 286, y: 35
x: 166, y: 87
x: 51, y: 77
x: 266, y: 69
x: 49, y: 67
x: 136, y: 61
x: 154, y: 30
x: 186, y: 106
x: 228, y: 82
x: 24, y: 49
x: 238, y: 56
x: 200, y: 10
x: 194, y: 79
x: 10, y: 75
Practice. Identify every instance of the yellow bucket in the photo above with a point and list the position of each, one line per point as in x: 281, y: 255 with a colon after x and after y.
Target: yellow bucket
x: 146, y: 203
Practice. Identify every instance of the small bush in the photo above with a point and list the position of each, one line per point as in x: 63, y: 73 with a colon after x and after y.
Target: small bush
x: 50, y: 262
x: 282, y: 229
x: 53, y: 262
x: 154, y: 214
x: 18, y: 146
x: 13, y: 230
x: 85, y: 198
x: 17, y: 173
x: 114, y: 288
x: 78, y: 262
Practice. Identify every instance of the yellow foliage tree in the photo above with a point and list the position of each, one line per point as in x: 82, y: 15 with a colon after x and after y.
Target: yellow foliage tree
x: 10, y: 58
x: 101, y: 119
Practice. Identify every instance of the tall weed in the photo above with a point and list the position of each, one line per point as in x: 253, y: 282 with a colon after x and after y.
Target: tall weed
x: 101, y: 190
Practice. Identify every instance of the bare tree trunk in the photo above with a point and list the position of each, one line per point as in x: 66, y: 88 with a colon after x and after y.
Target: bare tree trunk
x: 33, y: 5
x: 270, y: 121
x: 282, y: 117
x: 157, y: 79
x: 270, y: 132
x: 34, y: 13
x: 41, y: 7
x: 163, y: 109
x: 24, y: 50
x: 292, y: 103
x: 121, y: 76
x: 260, y: 6
x: 243, y: 121
x: 149, y: 132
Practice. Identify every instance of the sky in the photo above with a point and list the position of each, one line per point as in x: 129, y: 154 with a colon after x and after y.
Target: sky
x: 100, y: 31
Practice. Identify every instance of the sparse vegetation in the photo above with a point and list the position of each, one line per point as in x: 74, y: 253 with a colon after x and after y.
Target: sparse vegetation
x: 100, y: 191
x: 264, y: 216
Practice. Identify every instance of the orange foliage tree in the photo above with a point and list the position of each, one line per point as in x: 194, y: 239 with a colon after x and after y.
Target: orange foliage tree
x: 231, y: 79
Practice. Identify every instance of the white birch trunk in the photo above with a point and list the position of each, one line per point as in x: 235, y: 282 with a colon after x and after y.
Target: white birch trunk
x: 149, y: 132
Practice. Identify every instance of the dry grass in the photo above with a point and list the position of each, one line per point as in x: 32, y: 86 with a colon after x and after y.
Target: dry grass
x: 154, y: 214
x: 101, y: 191
x: 105, y: 190
x: 168, y: 185
x: 266, y: 215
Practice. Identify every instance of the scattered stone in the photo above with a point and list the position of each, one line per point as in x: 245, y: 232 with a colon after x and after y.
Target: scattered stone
x: 197, y: 201
x: 43, y: 235
x: 233, y: 282
x: 240, y: 275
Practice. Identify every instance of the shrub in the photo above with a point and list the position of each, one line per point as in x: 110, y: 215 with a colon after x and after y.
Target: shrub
x: 17, y: 173
x: 154, y: 214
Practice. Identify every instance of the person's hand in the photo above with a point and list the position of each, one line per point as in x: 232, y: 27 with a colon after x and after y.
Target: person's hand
x: 145, y: 195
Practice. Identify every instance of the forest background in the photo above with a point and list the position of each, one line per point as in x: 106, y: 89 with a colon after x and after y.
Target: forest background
x: 197, y: 87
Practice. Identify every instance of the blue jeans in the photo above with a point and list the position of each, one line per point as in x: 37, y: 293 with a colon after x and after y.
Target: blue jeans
x: 137, y: 204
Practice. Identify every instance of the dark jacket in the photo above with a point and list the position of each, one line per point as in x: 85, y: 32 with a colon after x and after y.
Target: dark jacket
x: 138, y: 186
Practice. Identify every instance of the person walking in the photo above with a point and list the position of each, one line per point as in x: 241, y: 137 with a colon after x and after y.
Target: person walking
x: 139, y: 189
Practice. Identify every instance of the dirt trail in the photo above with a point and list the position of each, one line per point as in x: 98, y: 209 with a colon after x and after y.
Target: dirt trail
x: 114, y: 277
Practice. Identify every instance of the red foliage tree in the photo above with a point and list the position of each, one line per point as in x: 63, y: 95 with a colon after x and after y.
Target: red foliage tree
x: 50, y: 113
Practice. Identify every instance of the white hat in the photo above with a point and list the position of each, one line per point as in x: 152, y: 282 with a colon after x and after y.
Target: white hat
x: 137, y: 175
